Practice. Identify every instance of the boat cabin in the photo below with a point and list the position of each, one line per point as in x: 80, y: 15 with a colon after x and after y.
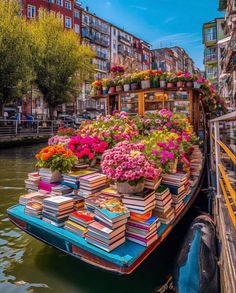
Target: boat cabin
x: 178, y: 100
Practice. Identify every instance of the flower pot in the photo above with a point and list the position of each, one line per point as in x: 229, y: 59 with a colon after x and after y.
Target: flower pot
x: 98, y: 92
x: 126, y: 87
x: 93, y: 162
x: 173, y: 167
x: 145, y: 84
x: 119, y: 88
x: 189, y: 84
x: 155, y: 84
x: 125, y: 187
x: 134, y: 86
x: 170, y: 84
x: 162, y: 83
x: 104, y: 91
x: 112, y: 89
x: 196, y: 85
x: 180, y: 84
x: 55, y: 175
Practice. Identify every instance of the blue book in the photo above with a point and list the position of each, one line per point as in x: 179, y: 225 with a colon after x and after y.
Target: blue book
x: 72, y: 185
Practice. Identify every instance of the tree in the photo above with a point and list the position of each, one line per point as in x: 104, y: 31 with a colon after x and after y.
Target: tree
x: 15, y: 54
x: 60, y: 61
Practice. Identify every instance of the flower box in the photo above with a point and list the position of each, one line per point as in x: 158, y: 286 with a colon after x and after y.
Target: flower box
x: 180, y: 84
x: 126, y: 87
x: 162, y: 83
x: 170, y: 84
x: 119, y: 88
x: 112, y: 90
x: 126, y: 188
x: 134, y: 86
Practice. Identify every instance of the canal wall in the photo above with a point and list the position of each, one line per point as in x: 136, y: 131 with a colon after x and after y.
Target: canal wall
x: 6, y: 142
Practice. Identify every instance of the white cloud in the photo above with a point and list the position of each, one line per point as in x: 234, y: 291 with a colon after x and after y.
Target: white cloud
x: 138, y: 7
x: 169, y: 19
x: 178, y: 39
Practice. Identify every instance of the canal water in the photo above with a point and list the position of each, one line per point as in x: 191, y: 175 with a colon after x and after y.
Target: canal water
x: 28, y: 265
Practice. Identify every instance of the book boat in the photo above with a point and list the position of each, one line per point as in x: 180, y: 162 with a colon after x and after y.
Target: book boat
x: 129, y: 255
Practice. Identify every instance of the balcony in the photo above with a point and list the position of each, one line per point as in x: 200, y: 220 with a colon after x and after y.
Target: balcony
x: 124, y: 40
x: 123, y: 52
x: 99, y: 27
x: 94, y: 39
x: 210, y: 59
x: 210, y: 39
x: 101, y: 55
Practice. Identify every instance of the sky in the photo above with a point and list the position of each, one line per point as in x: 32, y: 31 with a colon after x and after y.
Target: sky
x: 162, y: 23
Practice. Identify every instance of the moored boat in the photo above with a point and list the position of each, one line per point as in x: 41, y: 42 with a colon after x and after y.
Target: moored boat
x: 127, y: 256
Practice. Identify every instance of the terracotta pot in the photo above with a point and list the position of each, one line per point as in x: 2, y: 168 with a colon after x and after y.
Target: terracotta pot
x: 126, y: 87
x: 196, y: 85
x: 170, y: 84
x: 112, y: 90
x: 119, y: 88
x: 189, y: 84
x: 134, y: 86
x: 173, y: 167
x: 98, y: 92
x: 180, y: 84
x: 125, y: 187
x: 162, y: 83
x: 145, y: 84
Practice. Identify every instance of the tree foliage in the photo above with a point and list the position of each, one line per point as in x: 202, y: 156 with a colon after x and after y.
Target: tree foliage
x: 15, y: 56
x: 60, y: 62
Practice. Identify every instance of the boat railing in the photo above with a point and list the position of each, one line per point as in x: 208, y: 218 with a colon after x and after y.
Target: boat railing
x: 223, y: 178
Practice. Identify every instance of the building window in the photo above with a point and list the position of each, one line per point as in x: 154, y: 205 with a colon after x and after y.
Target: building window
x: 31, y: 11
x: 77, y: 30
x: 210, y: 34
x: 60, y: 2
x: 85, y: 19
x: 51, y: 1
x: 68, y: 5
x: 114, y: 31
x: 68, y: 22
x: 76, y: 14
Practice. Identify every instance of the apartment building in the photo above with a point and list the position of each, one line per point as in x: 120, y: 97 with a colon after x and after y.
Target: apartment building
x: 212, y: 34
x: 172, y: 59
x: 227, y: 54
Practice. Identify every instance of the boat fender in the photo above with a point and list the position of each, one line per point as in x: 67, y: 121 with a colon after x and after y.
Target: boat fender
x: 196, y: 269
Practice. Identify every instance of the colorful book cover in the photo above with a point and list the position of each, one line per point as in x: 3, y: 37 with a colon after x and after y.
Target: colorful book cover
x: 84, y: 215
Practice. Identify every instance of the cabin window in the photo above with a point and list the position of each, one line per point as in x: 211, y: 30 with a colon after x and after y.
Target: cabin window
x: 154, y: 101
x: 178, y: 102
x: 129, y: 103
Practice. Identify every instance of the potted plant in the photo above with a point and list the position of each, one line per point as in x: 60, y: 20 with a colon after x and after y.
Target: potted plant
x: 117, y: 70
x: 155, y: 78
x: 163, y: 80
x: 126, y: 80
x: 170, y: 80
x: 135, y: 79
x: 105, y: 82
x: 56, y: 158
x: 111, y: 86
x: 128, y: 166
x: 97, y: 87
x: 189, y: 79
x: 180, y: 79
x: 87, y: 149
x: 118, y: 82
x: 145, y: 80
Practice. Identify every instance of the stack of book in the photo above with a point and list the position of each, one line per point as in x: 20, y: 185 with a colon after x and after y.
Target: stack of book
x: 61, y: 190
x: 143, y: 233
x: 196, y: 159
x: 34, y: 209
x: 78, y: 222
x: 163, y: 209
x: 56, y: 210
x: 141, y: 202
x: 72, y: 179
x: 112, y: 192
x: 32, y: 183
x: 91, y: 203
x: 49, y: 176
x: 108, y: 230
x: 152, y: 184
x: 179, y: 187
x: 24, y: 199
x: 92, y: 184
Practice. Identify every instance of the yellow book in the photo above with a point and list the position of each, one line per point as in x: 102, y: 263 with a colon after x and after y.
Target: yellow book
x: 76, y: 225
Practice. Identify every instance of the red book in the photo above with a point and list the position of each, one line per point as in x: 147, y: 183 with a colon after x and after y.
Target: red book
x: 83, y: 215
